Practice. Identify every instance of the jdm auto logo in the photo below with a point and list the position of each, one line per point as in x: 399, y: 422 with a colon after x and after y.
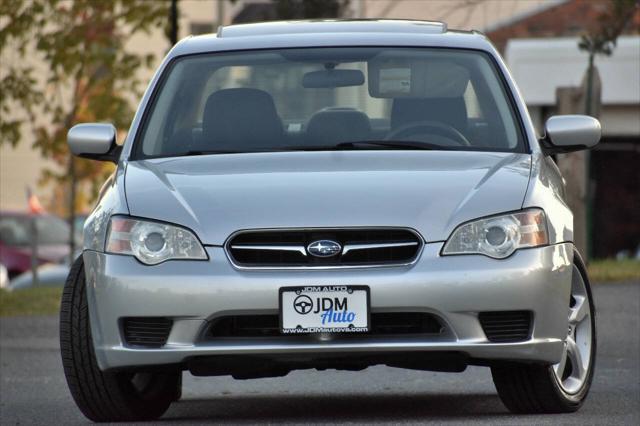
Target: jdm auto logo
x: 302, y: 304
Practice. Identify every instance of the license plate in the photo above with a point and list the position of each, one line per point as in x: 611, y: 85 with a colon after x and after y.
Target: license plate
x: 324, y: 309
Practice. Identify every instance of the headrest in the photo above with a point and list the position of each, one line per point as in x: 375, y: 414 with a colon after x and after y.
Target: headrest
x: 240, y: 119
x: 335, y: 125
x: 451, y: 111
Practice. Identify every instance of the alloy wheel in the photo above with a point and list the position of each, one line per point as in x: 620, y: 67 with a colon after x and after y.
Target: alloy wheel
x: 572, y: 370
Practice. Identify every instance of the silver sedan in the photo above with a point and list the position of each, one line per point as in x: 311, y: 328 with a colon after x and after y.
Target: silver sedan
x: 335, y: 195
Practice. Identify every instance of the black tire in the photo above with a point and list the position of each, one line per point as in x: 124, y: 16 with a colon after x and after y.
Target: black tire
x: 534, y: 389
x: 177, y: 395
x: 105, y: 396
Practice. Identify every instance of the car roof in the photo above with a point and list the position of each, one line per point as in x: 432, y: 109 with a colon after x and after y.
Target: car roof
x: 330, y: 26
x: 326, y: 33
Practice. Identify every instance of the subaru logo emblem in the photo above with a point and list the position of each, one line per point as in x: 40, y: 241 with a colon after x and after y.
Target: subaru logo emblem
x: 324, y: 248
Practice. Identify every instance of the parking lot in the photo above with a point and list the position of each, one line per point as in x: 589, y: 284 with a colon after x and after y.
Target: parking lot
x: 33, y: 389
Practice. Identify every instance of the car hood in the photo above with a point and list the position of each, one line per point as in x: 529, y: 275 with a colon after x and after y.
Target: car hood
x: 429, y: 191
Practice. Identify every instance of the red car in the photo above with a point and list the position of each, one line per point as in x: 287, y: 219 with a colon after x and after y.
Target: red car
x: 15, y: 241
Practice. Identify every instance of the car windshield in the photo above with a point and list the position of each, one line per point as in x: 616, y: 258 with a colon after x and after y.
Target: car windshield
x: 16, y: 230
x: 330, y: 98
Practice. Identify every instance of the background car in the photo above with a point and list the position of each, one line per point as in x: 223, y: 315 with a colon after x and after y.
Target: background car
x: 16, y: 240
x: 4, y: 276
x: 49, y: 275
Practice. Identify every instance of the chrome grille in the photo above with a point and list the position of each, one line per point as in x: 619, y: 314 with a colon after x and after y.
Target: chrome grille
x: 359, y: 247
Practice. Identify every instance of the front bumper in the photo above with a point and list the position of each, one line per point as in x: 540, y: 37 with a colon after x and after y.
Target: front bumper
x: 455, y: 288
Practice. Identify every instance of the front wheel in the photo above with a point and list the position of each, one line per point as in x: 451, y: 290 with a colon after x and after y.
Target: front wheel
x: 105, y: 396
x: 563, y: 387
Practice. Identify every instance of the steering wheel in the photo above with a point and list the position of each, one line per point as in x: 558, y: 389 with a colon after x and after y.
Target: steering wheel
x: 432, y: 127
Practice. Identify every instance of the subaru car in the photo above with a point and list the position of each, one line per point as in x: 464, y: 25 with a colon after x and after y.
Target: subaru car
x: 329, y: 195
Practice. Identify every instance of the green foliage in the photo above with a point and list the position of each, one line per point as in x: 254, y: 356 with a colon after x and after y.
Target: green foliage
x: 18, y: 95
x: 612, y: 22
x: 92, y: 76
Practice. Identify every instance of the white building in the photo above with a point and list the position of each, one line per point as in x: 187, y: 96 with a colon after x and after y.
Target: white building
x: 540, y: 66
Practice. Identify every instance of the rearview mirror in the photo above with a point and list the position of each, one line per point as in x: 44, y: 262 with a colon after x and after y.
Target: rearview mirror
x: 332, y: 78
x: 567, y: 133
x: 96, y: 141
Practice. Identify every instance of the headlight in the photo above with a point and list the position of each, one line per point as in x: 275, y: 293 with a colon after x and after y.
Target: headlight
x: 499, y: 236
x: 152, y: 242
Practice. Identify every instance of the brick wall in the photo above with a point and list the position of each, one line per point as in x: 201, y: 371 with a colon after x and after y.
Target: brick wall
x: 568, y: 19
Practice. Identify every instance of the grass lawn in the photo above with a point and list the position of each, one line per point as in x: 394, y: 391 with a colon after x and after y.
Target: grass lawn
x: 32, y: 301
x: 46, y: 300
x: 608, y: 270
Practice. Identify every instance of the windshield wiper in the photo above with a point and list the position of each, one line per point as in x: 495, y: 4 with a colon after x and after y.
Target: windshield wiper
x: 356, y: 145
x: 395, y: 144
x: 366, y: 144
x: 207, y: 152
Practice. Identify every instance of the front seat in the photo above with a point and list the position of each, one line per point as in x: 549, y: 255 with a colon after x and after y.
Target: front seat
x: 331, y: 126
x: 239, y: 120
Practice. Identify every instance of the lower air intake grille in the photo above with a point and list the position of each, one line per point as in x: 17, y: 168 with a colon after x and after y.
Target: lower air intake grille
x: 506, y: 326
x: 151, y: 332
x: 382, y: 324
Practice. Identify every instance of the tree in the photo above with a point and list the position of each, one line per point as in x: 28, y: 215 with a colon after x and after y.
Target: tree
x: 173, y: 27
x: 599, y: 40
x: 18, y: 92
x: 91, y: 76
x: 277, y: 10
x: 310, y: 9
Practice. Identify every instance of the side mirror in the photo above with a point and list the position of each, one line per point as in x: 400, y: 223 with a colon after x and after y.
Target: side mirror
x: 567, y: 133
x: 96, y: 141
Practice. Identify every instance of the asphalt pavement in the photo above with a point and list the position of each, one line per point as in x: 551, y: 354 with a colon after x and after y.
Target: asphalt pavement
x: 33, y: 389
